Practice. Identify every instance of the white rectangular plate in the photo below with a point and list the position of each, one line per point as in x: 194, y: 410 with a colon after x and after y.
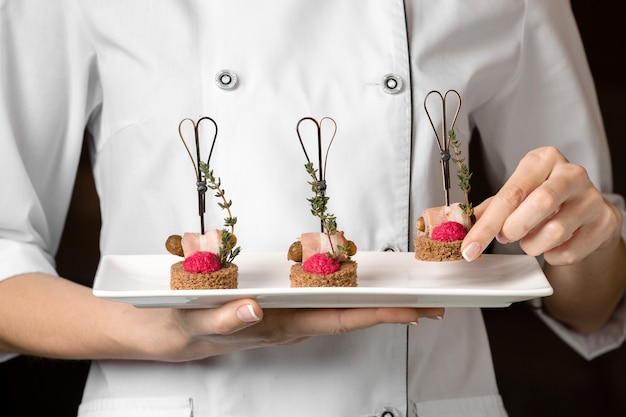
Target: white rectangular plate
x: 385, y: 279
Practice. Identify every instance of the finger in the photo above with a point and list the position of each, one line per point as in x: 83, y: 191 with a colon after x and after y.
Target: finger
x: 339, y: 321
x: 579, y: 245
x: 559, y: 193
x: 575, y: 232
x: 559, y: 227
x: 551, y: 234
x: 531, y: 172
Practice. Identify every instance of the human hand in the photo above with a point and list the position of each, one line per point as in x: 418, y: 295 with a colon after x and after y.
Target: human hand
x: 242, y: 324
x: 551, y: 206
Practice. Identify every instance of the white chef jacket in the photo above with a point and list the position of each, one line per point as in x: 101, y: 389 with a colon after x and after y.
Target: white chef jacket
x: 133, y: 70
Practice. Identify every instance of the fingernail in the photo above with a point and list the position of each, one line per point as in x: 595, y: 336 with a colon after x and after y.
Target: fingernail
x: 501, y: 239
x: 412, y: 323
x: 246, y: 314
x: 439, y: 318
x: 471, y: 251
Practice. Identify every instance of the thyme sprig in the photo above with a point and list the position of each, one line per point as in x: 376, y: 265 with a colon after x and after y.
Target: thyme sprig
x: 319, y: 206
x: 227, y: 251
x: 463, y: 174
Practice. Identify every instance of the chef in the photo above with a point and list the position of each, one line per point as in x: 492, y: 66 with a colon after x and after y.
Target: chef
x: 131, y: 71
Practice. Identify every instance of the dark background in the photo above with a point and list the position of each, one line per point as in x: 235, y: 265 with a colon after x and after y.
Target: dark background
x: 538, y: 375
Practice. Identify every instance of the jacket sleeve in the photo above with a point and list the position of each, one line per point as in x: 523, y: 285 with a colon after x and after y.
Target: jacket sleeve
x: 48, y: 89
x: 552, y: 101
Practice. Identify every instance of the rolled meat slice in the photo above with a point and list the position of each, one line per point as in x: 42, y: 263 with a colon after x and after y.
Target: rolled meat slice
x: 210, y: 241
x: 434, y: 216
x: 313, y: 243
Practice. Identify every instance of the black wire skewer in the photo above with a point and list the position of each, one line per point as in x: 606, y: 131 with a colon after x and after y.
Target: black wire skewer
x: 443, y: 142
x: 200, y: 181
x: 322, y: 156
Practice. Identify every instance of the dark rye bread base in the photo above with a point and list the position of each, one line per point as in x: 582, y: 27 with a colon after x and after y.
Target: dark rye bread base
x: 344, y: 277
x: 225, y: 278
x: 436, y: 251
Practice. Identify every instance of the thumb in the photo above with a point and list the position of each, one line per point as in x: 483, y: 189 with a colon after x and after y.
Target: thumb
x: 224, y: 320
x: 247, y: 314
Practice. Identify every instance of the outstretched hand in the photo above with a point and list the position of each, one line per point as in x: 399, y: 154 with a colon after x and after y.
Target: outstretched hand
x: 242, y: 324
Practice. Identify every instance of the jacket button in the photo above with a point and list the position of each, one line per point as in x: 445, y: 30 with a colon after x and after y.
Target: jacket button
x: 390, y: 247
x: 388, y: 411
x: 226, y: 79
x: 391, y: 84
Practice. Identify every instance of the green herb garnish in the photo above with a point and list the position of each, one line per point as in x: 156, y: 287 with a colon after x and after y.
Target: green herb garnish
x: 228, y: 251
x: 463, y: 174
x: 319, y: 204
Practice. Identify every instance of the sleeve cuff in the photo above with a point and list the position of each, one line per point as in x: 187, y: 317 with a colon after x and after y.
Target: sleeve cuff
x: 591, y: 345
x: 19, y: 258
x: 16, y: 259
x: 609, y: 337
x: 7, y: 356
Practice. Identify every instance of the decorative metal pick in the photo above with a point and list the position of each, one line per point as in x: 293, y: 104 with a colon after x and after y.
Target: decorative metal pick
x: 196, y: 161
x: 444, y: 141
x: 322, y: 156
